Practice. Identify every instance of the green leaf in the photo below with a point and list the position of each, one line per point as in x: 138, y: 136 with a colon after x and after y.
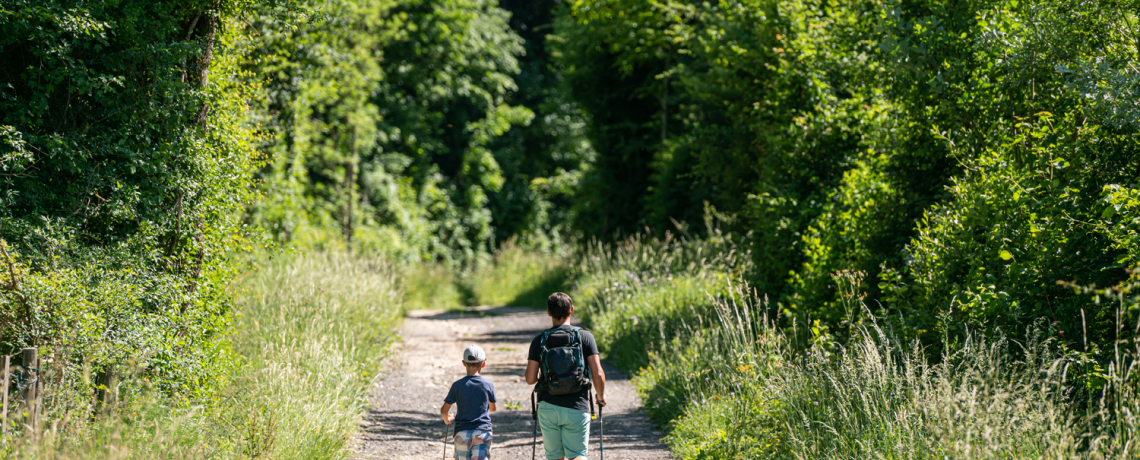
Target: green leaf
x: 1005, y: 255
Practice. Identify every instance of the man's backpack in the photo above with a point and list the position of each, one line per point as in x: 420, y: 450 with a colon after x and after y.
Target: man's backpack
x: 564, y: 369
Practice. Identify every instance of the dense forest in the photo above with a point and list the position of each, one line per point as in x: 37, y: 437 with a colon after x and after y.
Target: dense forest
x: 933, y: 170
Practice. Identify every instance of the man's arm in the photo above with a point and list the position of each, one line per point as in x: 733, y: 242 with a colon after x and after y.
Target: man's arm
x: 531, y: 372
x: 493, y: 408
x: 445, y: 412
x: 595, y: 364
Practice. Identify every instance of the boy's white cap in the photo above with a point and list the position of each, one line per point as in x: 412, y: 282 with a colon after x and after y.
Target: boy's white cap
x: 473, y: 354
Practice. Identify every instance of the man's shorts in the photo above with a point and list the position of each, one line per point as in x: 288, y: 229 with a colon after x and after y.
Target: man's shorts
x: 473, y: 445
x: 564, y: 431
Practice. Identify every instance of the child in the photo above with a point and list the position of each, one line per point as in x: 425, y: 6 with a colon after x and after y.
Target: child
x: 476, y: 398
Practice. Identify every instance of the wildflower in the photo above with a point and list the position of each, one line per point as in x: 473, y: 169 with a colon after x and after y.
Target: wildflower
x: 706, y: 379
x: 719, y: 375
x: 816, y: 402
x: 732, y: 393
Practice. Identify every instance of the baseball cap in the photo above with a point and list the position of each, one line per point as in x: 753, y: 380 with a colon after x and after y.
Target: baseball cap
x: 474, y: 354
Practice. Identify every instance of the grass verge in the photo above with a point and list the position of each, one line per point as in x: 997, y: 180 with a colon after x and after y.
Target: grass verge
x: 309, y: 335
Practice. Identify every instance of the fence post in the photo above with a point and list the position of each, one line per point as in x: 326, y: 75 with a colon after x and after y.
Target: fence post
x: 39, y: 397
x: 30, y: 359
x: 4, y: 410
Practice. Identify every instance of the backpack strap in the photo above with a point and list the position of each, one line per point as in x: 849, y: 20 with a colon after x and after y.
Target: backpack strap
x: 581, y: 350
x: 542, y: 354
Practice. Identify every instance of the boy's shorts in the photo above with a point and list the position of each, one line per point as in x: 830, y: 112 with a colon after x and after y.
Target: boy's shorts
x: 564, y: 431
x: 473, y: 445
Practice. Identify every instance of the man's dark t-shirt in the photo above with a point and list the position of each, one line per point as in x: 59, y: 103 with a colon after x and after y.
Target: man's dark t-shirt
x: 474, y: 394
x: 579, y: 400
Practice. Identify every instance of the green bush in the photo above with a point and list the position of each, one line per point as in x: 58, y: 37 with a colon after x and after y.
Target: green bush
x: 1013, y: 229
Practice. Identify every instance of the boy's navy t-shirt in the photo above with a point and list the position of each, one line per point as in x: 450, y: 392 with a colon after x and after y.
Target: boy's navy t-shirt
x: 580, y: 400
x: 474, y: 395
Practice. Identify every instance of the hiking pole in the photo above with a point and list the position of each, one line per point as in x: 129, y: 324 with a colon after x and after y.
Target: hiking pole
x: 534, y: 422
x: 446, y: 429
x: 601, y: 432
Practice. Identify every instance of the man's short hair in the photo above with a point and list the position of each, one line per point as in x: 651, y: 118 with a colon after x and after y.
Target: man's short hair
x: 474, y: 365
x: 559, y: 305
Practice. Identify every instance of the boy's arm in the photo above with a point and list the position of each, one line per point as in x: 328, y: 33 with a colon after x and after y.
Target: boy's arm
x: 492, y: 398
x: 595, y: 363
x: 445, y: 412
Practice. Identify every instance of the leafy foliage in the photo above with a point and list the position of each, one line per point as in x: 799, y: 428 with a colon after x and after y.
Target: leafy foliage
x: 125, y: 158
x: 910, y: 141
x: 391, y: 124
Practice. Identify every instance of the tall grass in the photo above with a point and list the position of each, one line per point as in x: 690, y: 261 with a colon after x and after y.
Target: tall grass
x: 310, y: 333
x: 518, y: 277
x: 429, y: 286
x: 726, y: 382
x: 633, y: 295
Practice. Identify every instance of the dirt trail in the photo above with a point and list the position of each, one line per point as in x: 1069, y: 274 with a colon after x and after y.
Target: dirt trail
x: 403, y: 419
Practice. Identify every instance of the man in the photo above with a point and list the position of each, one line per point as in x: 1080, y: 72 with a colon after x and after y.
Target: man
x: 564, y: 389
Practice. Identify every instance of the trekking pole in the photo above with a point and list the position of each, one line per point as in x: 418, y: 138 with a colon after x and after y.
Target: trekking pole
x: 601, y: 432
x: 534, y: 422
x: 446, y: 430
x: 601, y: 426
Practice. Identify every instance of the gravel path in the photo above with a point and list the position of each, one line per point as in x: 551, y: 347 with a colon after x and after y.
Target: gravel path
x: 403, y: 419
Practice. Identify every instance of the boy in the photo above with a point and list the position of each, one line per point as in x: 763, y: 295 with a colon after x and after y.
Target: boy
x: 476, y: 398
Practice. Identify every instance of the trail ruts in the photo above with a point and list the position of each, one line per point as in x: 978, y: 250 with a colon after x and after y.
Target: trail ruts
x: 403, y: 417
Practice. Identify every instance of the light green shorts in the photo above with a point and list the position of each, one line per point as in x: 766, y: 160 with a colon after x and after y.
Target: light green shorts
x: 564, y: 431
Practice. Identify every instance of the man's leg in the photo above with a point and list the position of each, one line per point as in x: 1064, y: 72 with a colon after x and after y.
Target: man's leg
x: 575, y: 433
x: 548, y: 419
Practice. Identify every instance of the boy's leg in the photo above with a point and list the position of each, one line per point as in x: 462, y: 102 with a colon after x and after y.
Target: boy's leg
x: 551, y: 430
x: 463, y: 444
x: 480, y: 446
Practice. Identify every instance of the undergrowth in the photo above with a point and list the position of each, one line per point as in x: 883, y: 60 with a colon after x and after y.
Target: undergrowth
x: 309, y: 335
x: 727, y: 379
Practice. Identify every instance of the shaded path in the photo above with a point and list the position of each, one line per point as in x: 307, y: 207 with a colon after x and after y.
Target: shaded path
x: 403, y: 418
